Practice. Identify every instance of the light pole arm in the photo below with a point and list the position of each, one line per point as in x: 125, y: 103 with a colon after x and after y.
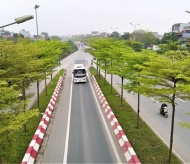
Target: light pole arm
x: 7, y: 24
x: 20, y: 20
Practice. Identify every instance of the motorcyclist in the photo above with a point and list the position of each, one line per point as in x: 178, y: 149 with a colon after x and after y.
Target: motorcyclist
x: 163, y: 106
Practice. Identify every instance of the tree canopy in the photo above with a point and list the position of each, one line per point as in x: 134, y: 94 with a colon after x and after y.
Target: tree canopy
x: 21, y: 63
x: 164, y: 76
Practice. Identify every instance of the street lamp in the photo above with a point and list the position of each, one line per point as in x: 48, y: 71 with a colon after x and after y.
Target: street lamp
x: 38, y: 91
x: 36, y: 6
x: 134, y: 28
x: 20, y: 20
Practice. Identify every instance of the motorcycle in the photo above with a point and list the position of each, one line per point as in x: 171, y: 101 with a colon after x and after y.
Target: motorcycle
x: 164, y: 111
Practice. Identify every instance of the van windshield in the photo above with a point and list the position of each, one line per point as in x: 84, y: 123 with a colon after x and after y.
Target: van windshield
x: 80, y: 73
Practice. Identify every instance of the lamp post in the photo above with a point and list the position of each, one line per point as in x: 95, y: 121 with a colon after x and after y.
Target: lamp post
x: 36, y: 6
x: 134, y: 29
x: 19, y: 20
x: 38, y: 84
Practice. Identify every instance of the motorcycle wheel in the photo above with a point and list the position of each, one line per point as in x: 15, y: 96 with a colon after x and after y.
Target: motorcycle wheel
x: 166, y: 115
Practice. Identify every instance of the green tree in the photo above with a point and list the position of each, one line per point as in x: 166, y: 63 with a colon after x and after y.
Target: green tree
x: 125, y: 36
x: 100, y: 46
x: 115, y: 35
x: 136, y: 46
x: 145, y: 37
x: 55, y: 37
x: 8, y: 95
x: 132, y: 74
x: 166, y: 81
x: 103, y: 51
x: 120, y: 63
x: 171, y: 36
x: 14, y: 69
x: 15, y: 57
x: 48, y: 59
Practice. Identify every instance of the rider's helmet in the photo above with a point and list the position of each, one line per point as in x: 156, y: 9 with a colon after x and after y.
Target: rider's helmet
x: 164, y: 105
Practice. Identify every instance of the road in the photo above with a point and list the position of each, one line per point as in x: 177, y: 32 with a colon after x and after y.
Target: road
x: 149, y: 112
x: 80, y: 132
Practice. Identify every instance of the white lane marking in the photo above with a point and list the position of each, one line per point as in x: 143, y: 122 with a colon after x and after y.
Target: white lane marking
x: 154, y: 100
x: 68, y: 125
x: 157, y: 101
x: 181, y: 99
x: 107, y: 130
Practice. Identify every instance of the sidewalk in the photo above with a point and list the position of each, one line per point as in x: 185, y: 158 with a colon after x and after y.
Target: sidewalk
x: 33, y: 87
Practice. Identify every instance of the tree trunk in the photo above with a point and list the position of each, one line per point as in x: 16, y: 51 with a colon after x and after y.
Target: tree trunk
x: 51, y: 74
x: 46, y: 85
x: 38, y: 94
x: 24, y: 100
x: 24, y: 126
x: 105, y: 74
x: 172, y: 131
x: 24, y: 94
x: 97, y: 68
x: 121, y: 90
x: 111, y: 78
x: 111, y: 82
x: 138, y: 110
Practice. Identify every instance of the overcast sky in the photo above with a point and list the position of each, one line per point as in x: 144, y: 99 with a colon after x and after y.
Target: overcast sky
x: 63, y: 17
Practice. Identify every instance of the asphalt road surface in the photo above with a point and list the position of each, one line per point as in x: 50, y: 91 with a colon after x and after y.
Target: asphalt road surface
x: 80, y: 132
x: 149, y: 111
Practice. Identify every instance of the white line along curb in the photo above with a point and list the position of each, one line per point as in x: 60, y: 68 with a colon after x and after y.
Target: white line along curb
x: 124, y: 143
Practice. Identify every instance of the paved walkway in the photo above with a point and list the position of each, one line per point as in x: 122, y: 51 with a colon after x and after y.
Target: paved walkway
x: 33, y: 87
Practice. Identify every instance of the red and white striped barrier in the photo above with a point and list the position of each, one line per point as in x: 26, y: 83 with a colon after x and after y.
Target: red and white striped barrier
x: 34, y: 145
x: 124, y: 143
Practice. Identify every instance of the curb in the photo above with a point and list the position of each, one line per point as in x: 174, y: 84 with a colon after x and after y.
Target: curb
x: 37, y: 139
x: 124, y: 143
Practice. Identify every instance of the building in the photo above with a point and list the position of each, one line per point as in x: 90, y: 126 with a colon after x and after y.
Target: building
x: 5, y: 34
x: 182, y: 29
x: 25, y: 33
x: 159, y: 36
x: 44, y: 36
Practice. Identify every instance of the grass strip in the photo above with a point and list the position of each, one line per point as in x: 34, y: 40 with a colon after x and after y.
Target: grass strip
x: 148, y: 146
x: 16, y: 146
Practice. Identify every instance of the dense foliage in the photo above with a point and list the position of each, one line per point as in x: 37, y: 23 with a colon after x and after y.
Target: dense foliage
x: 22, y: 63
x: 163, y: 76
